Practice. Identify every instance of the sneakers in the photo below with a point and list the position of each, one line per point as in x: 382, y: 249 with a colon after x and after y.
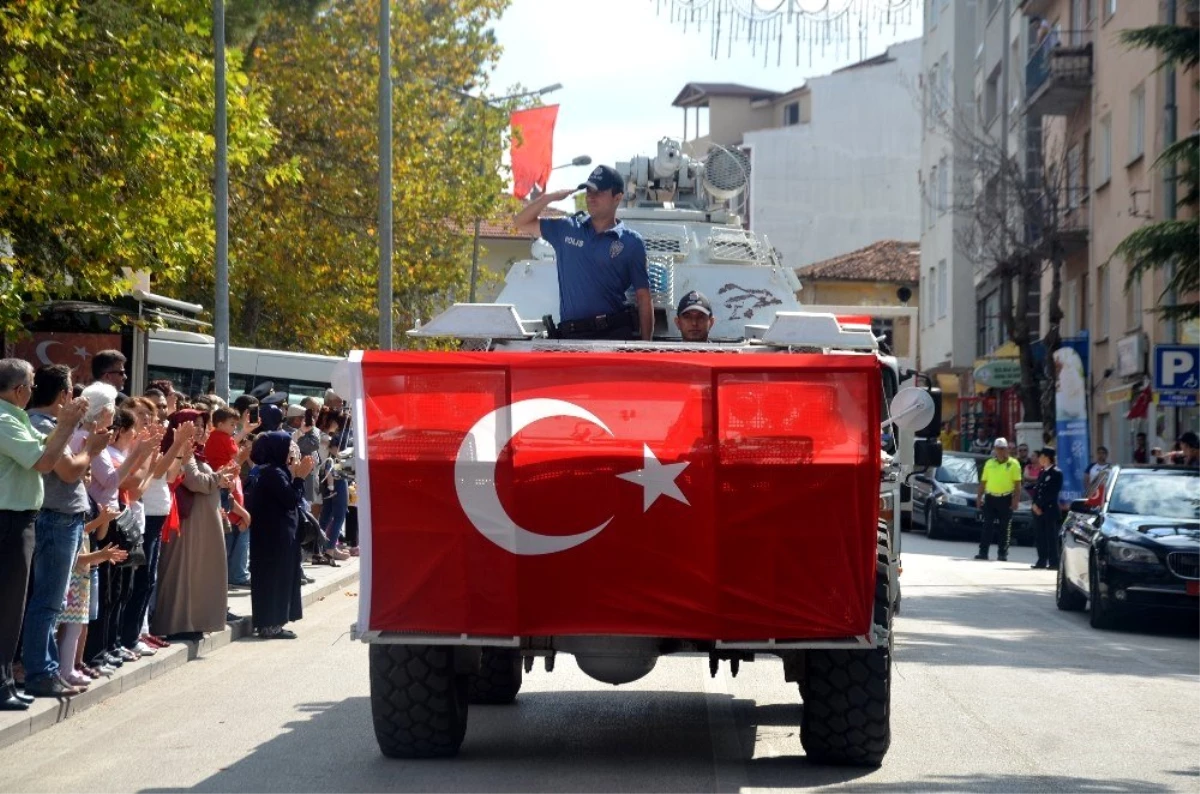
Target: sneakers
x: 338, y: 554
x: 125, y: 654
x: 240, y: 585
x: 142, y: 649
x: 981, y: 556
x: 77, y: 680
x: 1002, y: 558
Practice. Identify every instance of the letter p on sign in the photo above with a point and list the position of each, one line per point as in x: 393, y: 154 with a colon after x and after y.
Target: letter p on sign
x: 1176, y: 368
x: 1177, y: 363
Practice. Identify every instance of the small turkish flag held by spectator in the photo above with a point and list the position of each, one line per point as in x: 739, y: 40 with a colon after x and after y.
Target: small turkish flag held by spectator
x: 532, y: 148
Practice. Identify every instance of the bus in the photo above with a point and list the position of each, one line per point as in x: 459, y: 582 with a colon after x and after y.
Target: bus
x: 186, y: 359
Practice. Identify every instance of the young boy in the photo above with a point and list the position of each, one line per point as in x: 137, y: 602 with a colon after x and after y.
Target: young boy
x: 220, y: 449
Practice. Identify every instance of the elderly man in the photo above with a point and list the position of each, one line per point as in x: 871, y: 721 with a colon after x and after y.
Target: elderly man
x: 999, y: 494
x: 25, y: 455
x: 58, y: 532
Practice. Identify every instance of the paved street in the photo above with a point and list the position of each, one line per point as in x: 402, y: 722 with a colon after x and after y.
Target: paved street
x: 995, y: 690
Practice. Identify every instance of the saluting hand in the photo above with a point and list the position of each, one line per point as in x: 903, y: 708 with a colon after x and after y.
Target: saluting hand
x: 559, y: 195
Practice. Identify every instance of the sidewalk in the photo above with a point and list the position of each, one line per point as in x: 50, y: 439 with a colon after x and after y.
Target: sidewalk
x: 46, y: 712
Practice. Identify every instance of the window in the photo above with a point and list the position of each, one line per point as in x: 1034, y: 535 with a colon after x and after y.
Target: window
x: 933, y: 180
x: 932, y: 295
x: 934, y: 11
x: 1110, y: 8
x: 991, y: 97
x: 1074, y: 176
x: 791, y: 114
x: 1102, y: 307
x: 935, y: 99
x: 1133, y: 305
x: 943, y: 186
x: 942, y: 299
x: 1104, y: 156
x: 1070, y: 307
x: 1079, y: 21
x: 944, y: 96
x: 1137, y: 123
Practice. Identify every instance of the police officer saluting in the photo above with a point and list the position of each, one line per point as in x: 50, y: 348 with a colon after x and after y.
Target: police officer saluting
x: 1046, y: 516
x: 598, y: 260
x: 999, y: 495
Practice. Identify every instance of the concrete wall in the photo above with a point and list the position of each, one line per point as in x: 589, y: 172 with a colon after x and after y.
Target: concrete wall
x: 864, y: 293
x: 731, y: 117
x: 847, y: 178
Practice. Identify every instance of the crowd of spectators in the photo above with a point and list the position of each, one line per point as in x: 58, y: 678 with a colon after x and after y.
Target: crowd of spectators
x: 126, y: 520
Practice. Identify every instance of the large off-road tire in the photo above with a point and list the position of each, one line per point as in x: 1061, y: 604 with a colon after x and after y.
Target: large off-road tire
x: 847, y: 699
x: 418, y: 702
x: 1066, y: 597
x: 499, y: 678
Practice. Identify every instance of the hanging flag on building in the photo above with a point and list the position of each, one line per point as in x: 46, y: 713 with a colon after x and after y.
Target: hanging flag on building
x: 532, y: 148
x: 1141, y: 403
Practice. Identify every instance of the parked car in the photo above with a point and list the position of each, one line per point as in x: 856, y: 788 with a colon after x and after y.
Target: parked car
x: 944, y: 504
x: 1133, y: 544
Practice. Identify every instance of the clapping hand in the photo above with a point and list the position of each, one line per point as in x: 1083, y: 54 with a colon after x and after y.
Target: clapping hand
x: 114, y: 554
x: 73, y: 412
x: 303, y: 467
x: 97, y: 441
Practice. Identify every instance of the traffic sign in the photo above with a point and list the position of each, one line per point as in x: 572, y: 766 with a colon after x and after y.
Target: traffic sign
x: 1177, y: 368
x: 1177, y: 399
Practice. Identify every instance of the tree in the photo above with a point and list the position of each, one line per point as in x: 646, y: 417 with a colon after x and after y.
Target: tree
x: 106, y: 118
x: 1021, y: 212
x: 303, y: 252
x: 1171, y: 242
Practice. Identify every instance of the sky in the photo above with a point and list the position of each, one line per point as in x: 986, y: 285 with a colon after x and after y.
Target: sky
x: 621, y: 64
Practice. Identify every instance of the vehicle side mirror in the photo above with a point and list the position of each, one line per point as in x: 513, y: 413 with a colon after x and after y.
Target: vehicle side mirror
x: 1082, y: 506
x: 927, y: 452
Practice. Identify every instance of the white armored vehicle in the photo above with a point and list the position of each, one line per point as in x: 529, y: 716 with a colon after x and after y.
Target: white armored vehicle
x: 522, y: 496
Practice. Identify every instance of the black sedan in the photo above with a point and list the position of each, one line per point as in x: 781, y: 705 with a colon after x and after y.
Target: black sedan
x: 945, y: 504
x: 1133, y: 544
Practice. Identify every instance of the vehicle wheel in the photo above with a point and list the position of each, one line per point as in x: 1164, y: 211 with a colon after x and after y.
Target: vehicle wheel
x: 932, y: 530
x: 1066, y: 596
x: 418, y: 702
x: 1101, y: 611
x: 499, y: 678
x: 847, y: 698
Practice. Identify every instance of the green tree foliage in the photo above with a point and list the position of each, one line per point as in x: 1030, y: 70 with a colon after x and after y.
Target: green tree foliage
x: 304, y: 252
x: 106, y: 146
x: 1156, y: 246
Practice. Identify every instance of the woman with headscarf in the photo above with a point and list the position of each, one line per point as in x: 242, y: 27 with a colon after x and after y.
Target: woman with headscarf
x: 192, y: 583
x: 276, y: 491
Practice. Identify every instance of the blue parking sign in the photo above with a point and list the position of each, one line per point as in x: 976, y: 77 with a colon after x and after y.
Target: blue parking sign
x: 1177, y: 373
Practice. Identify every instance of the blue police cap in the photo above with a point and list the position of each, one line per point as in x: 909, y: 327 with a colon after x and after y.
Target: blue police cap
x: 604, y: 178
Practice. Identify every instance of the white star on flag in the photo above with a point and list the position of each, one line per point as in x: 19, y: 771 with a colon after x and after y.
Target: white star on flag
x: 657, y: 480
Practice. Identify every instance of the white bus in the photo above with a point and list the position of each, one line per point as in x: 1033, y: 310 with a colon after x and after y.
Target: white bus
x: 186, y: 359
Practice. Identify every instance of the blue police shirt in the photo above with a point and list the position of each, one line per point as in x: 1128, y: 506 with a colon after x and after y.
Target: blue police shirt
x: 594, y: 270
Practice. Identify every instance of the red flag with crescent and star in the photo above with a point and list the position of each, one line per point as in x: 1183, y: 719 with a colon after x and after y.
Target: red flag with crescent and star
x: 532, y: 148
x: 701, y: 496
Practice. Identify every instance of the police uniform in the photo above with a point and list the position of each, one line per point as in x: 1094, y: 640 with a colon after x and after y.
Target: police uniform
x: 596, y: 269
x: 1045, y: 526
x: 1000, y: 480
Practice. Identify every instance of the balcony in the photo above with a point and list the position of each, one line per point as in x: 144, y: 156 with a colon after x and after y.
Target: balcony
x: 1058, y: 77
x: 1065, y: 210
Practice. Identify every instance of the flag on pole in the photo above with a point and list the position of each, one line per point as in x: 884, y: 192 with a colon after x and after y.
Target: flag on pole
x: 532, y: 148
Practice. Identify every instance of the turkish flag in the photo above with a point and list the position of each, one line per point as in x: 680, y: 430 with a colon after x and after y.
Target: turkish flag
x: 532, y: 148
x: 701, y: 496
x: 74, y: 350
x: 1141, y: 404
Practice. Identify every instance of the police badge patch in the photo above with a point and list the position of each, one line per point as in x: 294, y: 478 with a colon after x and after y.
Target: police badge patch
x: 615, y: 249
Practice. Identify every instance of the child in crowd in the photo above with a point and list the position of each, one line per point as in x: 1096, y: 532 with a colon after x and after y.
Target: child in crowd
x: 220, y: 450
x: 73, y: 622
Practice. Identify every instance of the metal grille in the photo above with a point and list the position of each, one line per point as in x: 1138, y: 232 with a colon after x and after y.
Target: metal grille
x: 1184, y: 564
x: 608, y: 346
x: 669, y: 246
x: 731, y: 246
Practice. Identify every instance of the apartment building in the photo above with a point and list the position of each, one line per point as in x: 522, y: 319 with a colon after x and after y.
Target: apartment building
x: 1102, y: 105
x: 947, y: 274
x: 832, y: 161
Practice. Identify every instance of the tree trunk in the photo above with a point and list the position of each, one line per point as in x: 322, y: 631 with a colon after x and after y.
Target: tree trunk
x: 1052, y: 341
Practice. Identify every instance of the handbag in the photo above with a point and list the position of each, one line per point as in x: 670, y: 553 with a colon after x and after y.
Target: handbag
x: 128, y: 537
x: 310, y: 532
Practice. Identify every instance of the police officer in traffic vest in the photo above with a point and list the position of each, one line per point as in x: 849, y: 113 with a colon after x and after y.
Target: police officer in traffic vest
x: 598, y: 260
x: 1046, y: 515
x: 999, y: 495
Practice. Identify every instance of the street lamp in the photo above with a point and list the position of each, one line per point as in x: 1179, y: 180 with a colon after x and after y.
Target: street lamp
x: 482, y: 143
x: 582, y: 159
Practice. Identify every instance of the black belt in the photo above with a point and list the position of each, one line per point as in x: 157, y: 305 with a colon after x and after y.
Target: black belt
x: 1000, y: 495
x: 601, y: 322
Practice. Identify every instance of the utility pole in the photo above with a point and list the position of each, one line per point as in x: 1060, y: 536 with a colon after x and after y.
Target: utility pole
x: 221, y: 200
x: 385, y: 176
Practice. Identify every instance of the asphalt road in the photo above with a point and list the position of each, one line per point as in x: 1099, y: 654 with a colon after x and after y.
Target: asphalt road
x: 993, y: 690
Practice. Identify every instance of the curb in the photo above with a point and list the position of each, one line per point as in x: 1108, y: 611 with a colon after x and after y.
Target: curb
x: 47, y: 712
